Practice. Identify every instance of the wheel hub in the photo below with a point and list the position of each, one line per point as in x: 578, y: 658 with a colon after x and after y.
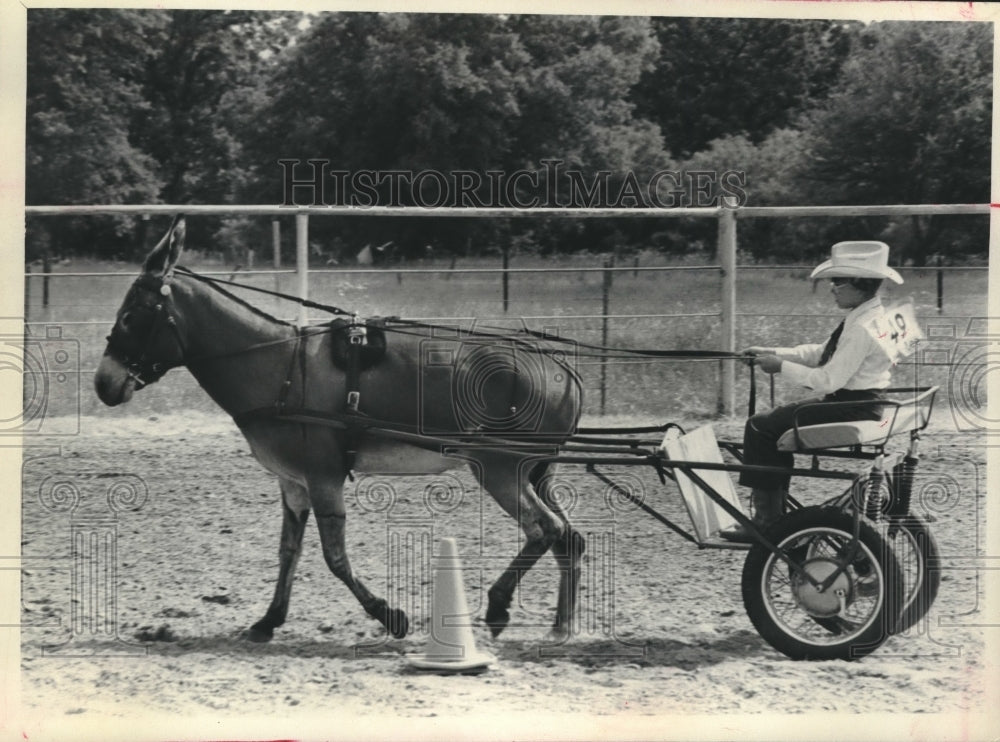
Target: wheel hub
x: 829, y: 602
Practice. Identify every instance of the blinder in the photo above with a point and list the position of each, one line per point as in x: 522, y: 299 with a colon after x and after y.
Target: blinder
x: 137, y: 338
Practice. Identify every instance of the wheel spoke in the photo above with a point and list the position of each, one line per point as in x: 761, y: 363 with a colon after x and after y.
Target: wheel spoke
x: 827, y: 548
x: 832, y: 589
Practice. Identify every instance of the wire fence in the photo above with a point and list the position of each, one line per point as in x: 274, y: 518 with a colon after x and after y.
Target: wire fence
x: 714, y: 305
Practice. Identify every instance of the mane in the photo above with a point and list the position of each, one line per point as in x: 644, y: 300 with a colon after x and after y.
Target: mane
x: 211, y: 283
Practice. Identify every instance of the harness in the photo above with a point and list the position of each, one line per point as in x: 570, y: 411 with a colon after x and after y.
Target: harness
x: 138, y: 360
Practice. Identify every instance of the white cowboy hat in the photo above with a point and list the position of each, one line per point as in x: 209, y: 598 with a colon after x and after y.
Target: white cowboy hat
x: 858, y: 260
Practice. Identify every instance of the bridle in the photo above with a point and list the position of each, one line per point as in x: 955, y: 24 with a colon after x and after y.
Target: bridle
x: 143, y: 363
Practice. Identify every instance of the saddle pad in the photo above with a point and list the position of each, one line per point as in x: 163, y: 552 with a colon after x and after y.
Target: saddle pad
x: 372, y: 351
x: 858, y: 433
x: 700, y: 445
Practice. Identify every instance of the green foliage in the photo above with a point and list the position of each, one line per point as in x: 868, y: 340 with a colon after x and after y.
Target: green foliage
x: 720, y: 77
x: 454, y: 93
x: 146, y: 106
x: 84, y: 83
x: 135, y: 107
x: 909, y: 122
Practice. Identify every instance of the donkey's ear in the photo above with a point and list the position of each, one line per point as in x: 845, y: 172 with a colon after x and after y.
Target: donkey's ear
x: 166, y: 253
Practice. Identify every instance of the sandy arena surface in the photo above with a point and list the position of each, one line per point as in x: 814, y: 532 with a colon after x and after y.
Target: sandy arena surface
x: 665, y: 647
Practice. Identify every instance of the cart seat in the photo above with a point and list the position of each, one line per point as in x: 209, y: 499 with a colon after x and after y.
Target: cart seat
x: 897, y: 417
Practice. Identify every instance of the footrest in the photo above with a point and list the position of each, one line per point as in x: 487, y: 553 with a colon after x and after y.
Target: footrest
x: 707, y: 517
x: 720, y: 543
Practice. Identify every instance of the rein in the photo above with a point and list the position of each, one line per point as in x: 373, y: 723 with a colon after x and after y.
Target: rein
x: 500, y: 332
x: 145, y: 372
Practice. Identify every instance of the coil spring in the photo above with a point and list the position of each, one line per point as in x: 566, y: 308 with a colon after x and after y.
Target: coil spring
x: 873, y: 495
x: 902, y: 479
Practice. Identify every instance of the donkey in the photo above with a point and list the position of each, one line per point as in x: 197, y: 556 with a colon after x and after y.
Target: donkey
x: 246, y: 360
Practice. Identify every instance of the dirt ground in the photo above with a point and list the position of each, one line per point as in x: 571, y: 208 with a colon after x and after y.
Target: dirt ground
x: 189, y: 524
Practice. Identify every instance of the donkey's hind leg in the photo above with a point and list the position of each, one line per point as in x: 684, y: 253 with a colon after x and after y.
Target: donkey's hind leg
x: 567, y: 550
x: 504, y: 479
x: 332, y: 527
x: 295, y: 509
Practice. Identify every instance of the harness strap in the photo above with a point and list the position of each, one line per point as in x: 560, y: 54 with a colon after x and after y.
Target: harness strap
x: 286, y: 386
x: 268, y: 292
x: 430, y: 439
x: 541, y: 335
x: 357, y: 336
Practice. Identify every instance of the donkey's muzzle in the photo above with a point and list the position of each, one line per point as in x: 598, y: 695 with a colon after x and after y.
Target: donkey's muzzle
x: 113, y: 382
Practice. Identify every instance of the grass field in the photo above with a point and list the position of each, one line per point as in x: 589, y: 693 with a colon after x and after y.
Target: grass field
x: 648, y: 309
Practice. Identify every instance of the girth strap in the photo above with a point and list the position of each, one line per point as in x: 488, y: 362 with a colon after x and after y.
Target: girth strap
x: 349, y: 420
x: 356, y: 335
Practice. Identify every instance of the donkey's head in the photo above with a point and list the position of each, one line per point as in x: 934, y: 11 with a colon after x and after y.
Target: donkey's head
x: 145, y: 342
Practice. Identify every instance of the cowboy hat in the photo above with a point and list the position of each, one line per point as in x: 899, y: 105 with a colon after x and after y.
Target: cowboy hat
x: 858, y: 260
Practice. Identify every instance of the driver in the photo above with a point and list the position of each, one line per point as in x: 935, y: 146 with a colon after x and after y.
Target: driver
x: 851, y: 366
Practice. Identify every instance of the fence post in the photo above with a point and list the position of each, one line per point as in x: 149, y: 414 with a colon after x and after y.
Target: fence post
x: 506, y: 276
x: 727, y: 260
x: 940, y: 284
x: 605, y: 306
x: 302, y: 262
x: 46, y: 269
x: 276, y: 241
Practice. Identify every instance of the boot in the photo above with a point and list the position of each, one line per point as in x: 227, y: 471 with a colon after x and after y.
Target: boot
x: 768, y: 506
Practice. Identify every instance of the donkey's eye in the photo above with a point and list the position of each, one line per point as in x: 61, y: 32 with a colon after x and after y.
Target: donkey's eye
x: 126, y: 320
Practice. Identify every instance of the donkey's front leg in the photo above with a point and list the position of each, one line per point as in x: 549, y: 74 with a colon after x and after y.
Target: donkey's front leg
x: 331, y: 531
x: 295, y: 509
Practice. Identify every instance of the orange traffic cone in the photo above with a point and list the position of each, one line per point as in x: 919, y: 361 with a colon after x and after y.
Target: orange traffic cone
x: 451, y: 646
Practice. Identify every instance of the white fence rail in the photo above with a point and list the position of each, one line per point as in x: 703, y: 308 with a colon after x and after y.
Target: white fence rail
x: 726, y: 252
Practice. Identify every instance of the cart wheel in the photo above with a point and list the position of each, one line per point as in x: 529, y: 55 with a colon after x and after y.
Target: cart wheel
x: 918, y: 557
x: 849, y: 619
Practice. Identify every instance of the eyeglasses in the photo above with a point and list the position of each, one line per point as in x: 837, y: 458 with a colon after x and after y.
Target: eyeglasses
x: 840, y: 281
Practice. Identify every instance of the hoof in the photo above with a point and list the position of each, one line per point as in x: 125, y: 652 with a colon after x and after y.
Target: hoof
x: 397, y: 623
x: 259, y: 633
x: 497, y: 616
x: 393, y: 619
x: 578, y: 543
x: 497, y: 619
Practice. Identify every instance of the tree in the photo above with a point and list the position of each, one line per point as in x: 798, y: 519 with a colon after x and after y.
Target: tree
x: 719, y: 77
x: 85, y: 71
x: 465, y: 93
x: 85, y: 74
x: 909, y: 122
x: 137, y: 107
x: 205, y: 61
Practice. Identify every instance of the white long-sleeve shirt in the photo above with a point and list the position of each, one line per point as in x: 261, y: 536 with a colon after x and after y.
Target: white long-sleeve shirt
x: 859, y: 362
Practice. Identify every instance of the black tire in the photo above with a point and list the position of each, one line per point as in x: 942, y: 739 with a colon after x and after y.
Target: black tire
x: 847, y: 622
x: 919, y: 560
